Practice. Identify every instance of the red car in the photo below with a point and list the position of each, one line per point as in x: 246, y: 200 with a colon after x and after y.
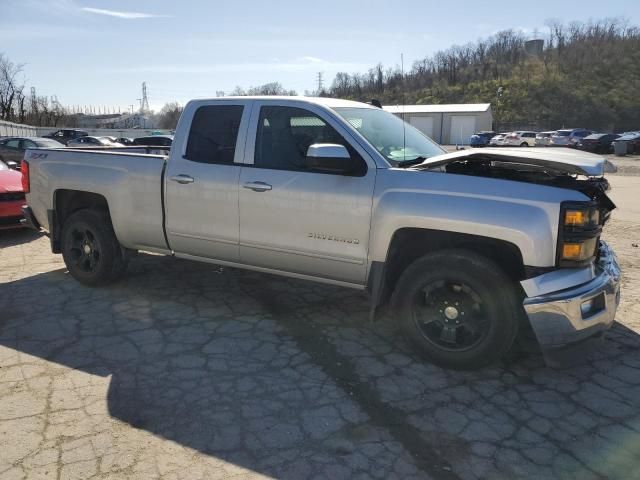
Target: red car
x: 11, y: 197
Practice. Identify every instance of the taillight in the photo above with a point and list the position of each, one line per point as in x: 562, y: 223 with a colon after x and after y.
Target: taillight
x: 24, y: 169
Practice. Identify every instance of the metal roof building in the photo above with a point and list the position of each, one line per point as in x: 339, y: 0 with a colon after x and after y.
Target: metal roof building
x: 446, y: 124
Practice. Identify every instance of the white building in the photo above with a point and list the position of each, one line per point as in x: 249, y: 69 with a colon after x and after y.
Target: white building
x: 447, y: 124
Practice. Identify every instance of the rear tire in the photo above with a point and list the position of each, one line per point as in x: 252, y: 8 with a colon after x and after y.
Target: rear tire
x: 91, y: 250
x: 524, y: 144
x: 457, y: 309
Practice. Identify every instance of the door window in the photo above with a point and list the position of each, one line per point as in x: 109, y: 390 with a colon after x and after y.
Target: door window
x: 213, y: 134
x: 13, y: 144
x: 285, y: 133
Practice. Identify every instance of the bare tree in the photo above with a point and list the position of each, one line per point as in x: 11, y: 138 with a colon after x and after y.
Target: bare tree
x: 11, y: 90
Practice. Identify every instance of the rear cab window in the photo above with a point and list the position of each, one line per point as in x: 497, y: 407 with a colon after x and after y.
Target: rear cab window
x: 214, y: 134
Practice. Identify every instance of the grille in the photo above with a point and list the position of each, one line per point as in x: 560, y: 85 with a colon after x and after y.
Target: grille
x: 11, y: 196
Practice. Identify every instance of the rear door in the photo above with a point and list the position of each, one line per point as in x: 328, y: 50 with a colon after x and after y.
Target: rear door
x: 296, y: 220
x: 201, y: 181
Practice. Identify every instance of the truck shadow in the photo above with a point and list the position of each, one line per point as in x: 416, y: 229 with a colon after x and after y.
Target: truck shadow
x: 288, y: 378
x: 17, y: 236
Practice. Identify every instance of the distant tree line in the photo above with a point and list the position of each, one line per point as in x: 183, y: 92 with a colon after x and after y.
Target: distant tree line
x: 16, y: 105
x: 587, y: 74
x: 273, y: 88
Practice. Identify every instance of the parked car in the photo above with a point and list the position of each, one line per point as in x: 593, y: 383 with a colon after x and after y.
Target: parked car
x: 92, y: 142
x: 12, y: 148
x: 543, y: 139
x: 109, y: 138
x: 632, y: 139
x: 481, y: 139
x: 126, y: 141
x: 520, y: 138
x: 12, y: 197
x: 498, y: 140
x: 467, y: 245
x: 154, y: 141
x: 597, y: 142
x: 63, y: 136
x: 568, y: 137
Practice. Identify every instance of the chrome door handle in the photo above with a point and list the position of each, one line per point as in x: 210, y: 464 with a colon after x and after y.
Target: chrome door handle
x: 258, y: 186
x: 182, y: 179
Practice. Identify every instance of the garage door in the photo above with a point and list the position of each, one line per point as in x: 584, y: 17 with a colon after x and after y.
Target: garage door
x: 424, y: 124
x: 461, y: 129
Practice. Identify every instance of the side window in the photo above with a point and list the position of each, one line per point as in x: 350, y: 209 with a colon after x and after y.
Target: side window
x: 213, y: 134
x: 28, y: 144
x: 285, y: 133
x: 13, y: 143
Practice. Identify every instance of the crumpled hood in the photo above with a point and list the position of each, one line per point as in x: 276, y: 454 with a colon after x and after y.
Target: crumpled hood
x: 10, y: 181
x: 562, y: 160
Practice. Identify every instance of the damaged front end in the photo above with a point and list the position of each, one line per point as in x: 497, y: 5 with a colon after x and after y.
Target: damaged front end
x: 573, y: 303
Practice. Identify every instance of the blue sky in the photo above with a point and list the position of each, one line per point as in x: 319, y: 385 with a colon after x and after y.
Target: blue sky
x: 99, y: 51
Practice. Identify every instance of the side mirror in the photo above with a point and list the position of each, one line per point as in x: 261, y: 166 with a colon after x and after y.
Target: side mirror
x: 13, y: 165
x: 330, y: 158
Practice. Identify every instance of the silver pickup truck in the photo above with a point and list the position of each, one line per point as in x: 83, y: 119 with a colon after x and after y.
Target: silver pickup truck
x: 467, y: 246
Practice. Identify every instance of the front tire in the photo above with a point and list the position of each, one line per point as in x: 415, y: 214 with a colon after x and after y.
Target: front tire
x: 457, y: 309
x: 524, y: 144
x: 91, y: 250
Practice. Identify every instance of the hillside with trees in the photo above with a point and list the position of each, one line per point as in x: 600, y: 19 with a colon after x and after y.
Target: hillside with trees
x: 587, y: 74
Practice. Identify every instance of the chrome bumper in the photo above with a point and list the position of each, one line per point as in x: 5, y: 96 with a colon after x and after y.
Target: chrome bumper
x: 563, y: 318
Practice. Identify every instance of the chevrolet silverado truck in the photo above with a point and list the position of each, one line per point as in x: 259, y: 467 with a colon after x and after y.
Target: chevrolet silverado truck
x: 466, y: 247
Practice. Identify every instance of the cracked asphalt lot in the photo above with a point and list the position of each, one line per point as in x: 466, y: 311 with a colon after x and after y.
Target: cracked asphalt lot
x: 185, y: 370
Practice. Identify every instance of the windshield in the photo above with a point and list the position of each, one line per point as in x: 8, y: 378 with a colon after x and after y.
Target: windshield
x: 563, y: 133
x: 396, y: 140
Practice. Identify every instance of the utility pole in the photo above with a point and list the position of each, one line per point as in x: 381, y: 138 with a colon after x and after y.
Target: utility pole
x: 320, y: 83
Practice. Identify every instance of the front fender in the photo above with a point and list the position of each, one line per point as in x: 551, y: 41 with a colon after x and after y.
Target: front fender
x: 529, y: 227
x: 523, y: 214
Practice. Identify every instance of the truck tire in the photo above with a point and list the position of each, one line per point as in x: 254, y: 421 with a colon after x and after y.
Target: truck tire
x: 458, y: 309
x: 91, y: 250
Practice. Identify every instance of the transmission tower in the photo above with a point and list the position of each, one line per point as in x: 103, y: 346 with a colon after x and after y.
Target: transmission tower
x: 144, y: 101
x: 320, y: 83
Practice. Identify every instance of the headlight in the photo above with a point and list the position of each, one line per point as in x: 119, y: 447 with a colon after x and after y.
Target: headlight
x: 578, y: 234
x: 583, y: 217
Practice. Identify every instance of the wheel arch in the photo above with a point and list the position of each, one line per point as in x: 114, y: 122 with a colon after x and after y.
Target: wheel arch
x: 65, y: 203
x: 409, y: 244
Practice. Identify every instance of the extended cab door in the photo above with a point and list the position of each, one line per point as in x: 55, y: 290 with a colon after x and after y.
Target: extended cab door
x: 296, y: 220
x: 201, y: 181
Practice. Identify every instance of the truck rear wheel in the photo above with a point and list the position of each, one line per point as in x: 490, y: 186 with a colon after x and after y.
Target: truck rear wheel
x: 90, y: 248
x: 457, y: 309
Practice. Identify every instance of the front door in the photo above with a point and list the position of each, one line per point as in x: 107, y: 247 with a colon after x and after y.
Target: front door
x: 296, y: 220
x: 202, y: 181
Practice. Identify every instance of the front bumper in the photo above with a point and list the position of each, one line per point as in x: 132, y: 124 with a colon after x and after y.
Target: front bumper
x: 561, y: 319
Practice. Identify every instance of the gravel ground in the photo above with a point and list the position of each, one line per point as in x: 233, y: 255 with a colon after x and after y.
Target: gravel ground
x: 184, y: 370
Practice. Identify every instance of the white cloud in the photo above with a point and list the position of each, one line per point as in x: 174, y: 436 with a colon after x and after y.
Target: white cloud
x: 118, y: 14
x: 313, y: 59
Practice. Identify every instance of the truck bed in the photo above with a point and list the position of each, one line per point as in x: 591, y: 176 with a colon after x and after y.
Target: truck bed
x: 130, y: 179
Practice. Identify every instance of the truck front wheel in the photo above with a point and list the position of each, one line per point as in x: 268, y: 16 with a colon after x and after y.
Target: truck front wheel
x: 90, y: 248
x: 458, y: 309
